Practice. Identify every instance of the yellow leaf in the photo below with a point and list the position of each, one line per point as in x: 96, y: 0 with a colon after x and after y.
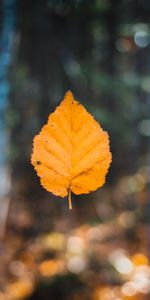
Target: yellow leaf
x: 139, y: 259
x: 20, y: 289
x: 51, y: 267
x: 71, y: 153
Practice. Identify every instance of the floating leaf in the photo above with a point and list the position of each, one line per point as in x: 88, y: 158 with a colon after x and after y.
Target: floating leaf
x: 71, y: 153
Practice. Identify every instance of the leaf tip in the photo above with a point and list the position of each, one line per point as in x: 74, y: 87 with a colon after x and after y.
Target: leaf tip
x: 69, y: 95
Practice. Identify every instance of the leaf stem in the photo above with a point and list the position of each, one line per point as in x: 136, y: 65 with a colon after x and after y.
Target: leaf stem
x: 69, y: 199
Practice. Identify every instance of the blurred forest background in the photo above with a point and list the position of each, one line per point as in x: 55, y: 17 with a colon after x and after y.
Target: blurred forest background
x: 100, y: 50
